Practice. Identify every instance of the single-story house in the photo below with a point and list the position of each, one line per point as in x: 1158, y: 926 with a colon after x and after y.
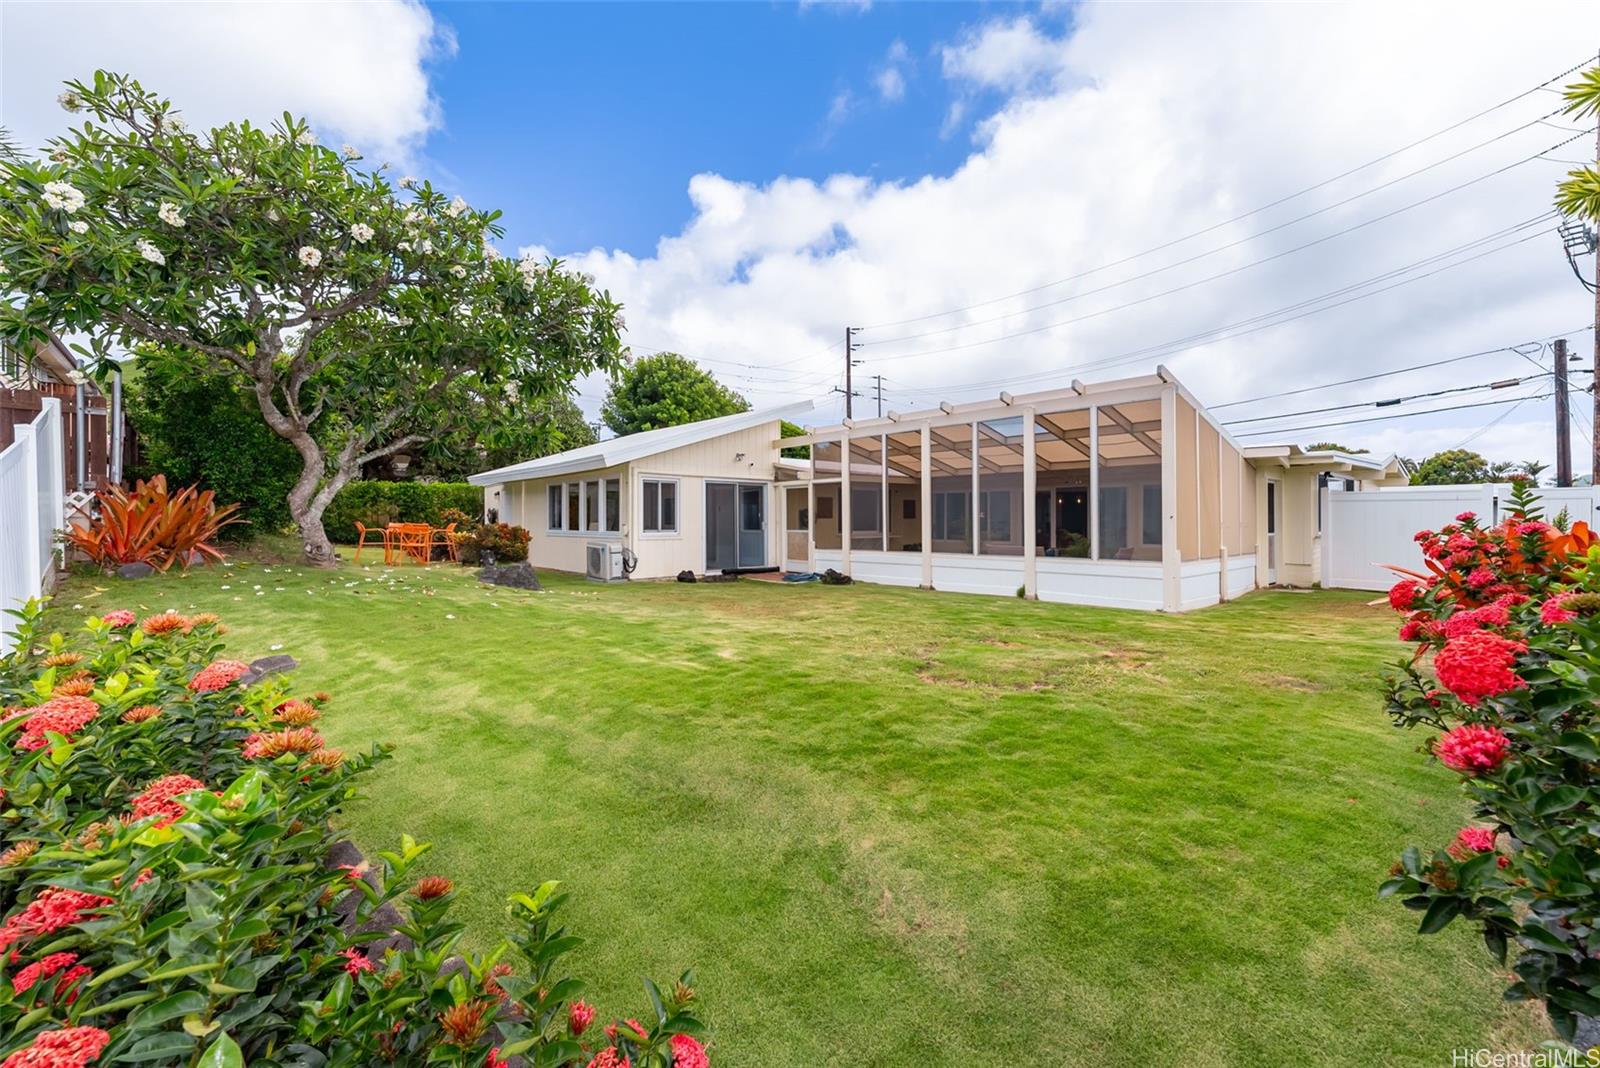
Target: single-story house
x: 1125, y: 493
x: 698, y: 497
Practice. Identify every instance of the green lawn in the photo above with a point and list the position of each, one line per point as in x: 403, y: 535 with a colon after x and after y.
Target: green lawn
x: 892, y: 827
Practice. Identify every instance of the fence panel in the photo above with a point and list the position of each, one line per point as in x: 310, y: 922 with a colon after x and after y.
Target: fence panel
x: 1364, y: 532
x: 32, y: 507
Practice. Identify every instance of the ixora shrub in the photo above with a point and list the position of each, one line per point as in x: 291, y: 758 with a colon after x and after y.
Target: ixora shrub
x: 1509, y: 616
x: 508, y: 543
x: 167, y: 895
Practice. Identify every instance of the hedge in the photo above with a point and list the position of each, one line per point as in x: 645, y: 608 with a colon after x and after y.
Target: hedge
x: 377, y: 503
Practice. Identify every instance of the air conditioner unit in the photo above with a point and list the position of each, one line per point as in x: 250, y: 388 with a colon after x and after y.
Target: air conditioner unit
x: 604, y: 562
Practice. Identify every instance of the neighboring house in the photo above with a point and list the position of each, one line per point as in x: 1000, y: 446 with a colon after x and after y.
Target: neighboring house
x: 699, y: 497
x: 98, y: 445
x: 1125, y: 493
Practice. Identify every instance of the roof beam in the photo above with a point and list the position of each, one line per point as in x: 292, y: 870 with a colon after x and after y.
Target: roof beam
x: 959, y: 446
x: 1138, y: 435
x: 1000, y: 439
x: 1065, y: 435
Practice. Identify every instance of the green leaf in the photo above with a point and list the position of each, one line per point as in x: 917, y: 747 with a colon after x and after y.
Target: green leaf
x: 1558, y: 800
x: 168, y: 1045
x: 1440, y: 912
x: 183, y: 1004
x: 223, y: 1053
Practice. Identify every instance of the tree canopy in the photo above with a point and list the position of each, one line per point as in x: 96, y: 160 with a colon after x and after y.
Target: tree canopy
x: 364, y: 316
x: 1334, y: 446
x: 666, y: 389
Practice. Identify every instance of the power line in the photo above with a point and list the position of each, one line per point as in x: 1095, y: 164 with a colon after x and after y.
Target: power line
x: 1221, y: 333
x: 1211, y: 278
x: 1281, y: 431
x: 1223, y: 248
x: 1501, y: 384
x: 1245, y: 215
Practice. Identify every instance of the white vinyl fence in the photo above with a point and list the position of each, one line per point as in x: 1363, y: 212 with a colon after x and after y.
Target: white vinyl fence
x: 1364, y: 532
x: 32, y: 510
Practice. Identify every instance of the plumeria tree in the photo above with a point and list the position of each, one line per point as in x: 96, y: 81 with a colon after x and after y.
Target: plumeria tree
x: 364, y: 316
x: 1579, y: 193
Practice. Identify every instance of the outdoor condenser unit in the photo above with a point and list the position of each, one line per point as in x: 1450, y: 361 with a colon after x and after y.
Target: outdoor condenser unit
x: 604, y: 562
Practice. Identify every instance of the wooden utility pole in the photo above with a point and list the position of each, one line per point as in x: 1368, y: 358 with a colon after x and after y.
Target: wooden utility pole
x: 850, y: 359
x: 1563, y: 418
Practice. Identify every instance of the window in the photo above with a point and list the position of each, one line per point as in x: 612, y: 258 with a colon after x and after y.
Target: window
x: 1114, y: 521
x: 613, y: 505
x: 1150, y: 515
x: 574, y: 508
x: 591, y: 505
x: 950, y: 512
x: 866, y: 509
x: 824, y: 506
x: 554, y: 493
x: 994, y: 515
x: 660, y: 506
x: 908, y: 508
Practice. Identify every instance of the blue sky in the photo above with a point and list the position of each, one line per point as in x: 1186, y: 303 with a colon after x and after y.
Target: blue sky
x: 586, y: 121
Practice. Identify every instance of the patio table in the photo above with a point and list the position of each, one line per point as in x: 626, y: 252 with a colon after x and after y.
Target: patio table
x: 412, y: 539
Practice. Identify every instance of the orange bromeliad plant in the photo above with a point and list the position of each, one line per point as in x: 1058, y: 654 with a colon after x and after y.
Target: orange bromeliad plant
x: 153, y: 526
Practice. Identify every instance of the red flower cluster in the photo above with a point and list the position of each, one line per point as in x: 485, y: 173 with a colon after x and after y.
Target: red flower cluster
x: 120, y: 617
x: 580, y: 1014
x: 356, y: 962
x: 494, y: 1060
x: 1478, y: 665
x: 688, y: 1053
x: 44, y: 968
x: 638, y: 1030
x: 1472, y: 749
x: 217, y: 675
x: 164, y: 623
x: 1471, y: 841
x: 610, y: 1058
x: 1467, y: 620
x: 158, y: 799
x: 65, y: 715
x: 1552, y: 612
x: 1403, y: 595
x: 52, y: 910
x: 274, y: 744
x: 70, y: 1047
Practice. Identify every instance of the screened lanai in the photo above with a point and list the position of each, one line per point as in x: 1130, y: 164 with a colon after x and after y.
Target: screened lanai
x: 1122, y: 493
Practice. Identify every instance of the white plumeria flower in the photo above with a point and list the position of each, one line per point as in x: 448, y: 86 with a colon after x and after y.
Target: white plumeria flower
x: 491, y: 253
x: 59, y: 155
x: 361, y: 232
x: 70, y: 101
x: 306, y: 137
x: 404, y: 246
x: 459, y: 271
x: 170, y: 214
x: 406, y: 181
x: 425, y: 246
x: 456, y: 208
x: 63, y: 196
x: 78, y: 226
x: 176, y: 123
x: 151, y: 253
x: 349, y: 152
x: 413, y: 217
x: 309, y: 255
x: 272, y: 214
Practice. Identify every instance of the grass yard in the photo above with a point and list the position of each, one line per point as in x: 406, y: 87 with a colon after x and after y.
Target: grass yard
x: 890, y: 827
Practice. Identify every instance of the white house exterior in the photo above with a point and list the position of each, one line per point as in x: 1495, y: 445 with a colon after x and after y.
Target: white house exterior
x: 700, y: 497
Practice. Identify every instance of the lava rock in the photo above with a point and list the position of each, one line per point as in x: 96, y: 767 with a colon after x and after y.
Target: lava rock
x: 518, y: 576
x: 135, y: 571
x: 268, y: 665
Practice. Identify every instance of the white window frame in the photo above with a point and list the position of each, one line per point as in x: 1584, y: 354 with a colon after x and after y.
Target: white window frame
x: 676, y: 530
x: 1143, y: 501
x: 564, y: 490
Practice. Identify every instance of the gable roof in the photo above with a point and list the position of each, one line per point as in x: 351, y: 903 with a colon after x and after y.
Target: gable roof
x: 1297, y: 456
x: 632, y: 447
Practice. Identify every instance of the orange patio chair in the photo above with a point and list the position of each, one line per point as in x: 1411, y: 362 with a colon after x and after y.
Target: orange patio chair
x: 411, y: 539
x: 362, y: 530
x: 444, y: 538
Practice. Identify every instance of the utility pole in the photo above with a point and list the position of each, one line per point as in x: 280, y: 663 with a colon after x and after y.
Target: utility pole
x: 850, y: 359
x: 879, y: 380
x: 1563, y: 418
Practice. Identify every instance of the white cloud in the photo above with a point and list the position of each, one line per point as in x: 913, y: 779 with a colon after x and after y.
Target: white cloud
x: 890, y: 81
x: 1007, y: 54
x: 357, y: 70
x: 1124, y: 136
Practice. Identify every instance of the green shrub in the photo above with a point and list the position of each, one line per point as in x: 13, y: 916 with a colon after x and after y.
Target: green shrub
x: 508, y: 543
x: 172, y: 891
x: 377, y: 503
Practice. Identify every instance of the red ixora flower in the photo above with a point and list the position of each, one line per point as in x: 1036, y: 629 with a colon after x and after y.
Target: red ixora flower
x: 638, y: 1029
x: 1478, y: 665
x: 52, y: 910
x: 1472, y: 749
x: 217, y: 675
x: 494, y: 1060
x: 610, y: 1058
x: 158, y: 799
x: 1466, y: 517
x: 688, y: 1053
x: 1471, y: 841
x: 70, y: 1047
x: 274, y: 744
x: 1495, y: 614
x: 1480, y: 578
x: 1403, y: 595
x: 1553, y: 612
x: 356, y: 962
x: 120, y: 617
x: 580, y: 1014
x: 65, y: 715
